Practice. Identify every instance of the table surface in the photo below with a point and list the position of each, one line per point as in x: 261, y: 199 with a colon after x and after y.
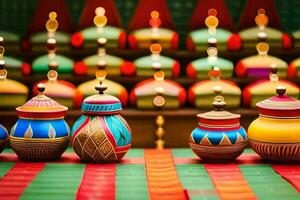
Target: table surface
x: 148, y: 174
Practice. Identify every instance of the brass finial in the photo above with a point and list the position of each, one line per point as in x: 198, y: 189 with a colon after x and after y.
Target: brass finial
x: 52, y: 75
x: 261, y: 18
x: 219, y: 102
x: 262, y: 48
x: 3, y: 74
x: 212, y: 21
x: 154, y: 21
x: 100, y: 19
x: 52, y: 24
x: 280, y: 90
x: 2, y: 50
x: 159, y: 75
x: 160, y: 132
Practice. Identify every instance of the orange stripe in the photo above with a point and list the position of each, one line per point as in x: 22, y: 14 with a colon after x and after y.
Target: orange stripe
x: 230, y: 182
x: 163, y: 182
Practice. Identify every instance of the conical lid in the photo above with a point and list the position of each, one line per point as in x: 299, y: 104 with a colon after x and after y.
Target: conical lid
x: 280, y: 106
x: 218, y: 119
x: 41, y: 107
x: 101, y: 103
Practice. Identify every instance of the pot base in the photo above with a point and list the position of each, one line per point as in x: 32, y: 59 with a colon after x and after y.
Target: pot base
x: 277, y: 152
x: 218, y: 153
x: 31, y: 149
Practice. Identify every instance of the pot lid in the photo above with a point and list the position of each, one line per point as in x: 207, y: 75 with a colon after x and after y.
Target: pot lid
x: 218, y: 118
x: 41, y: 107
x: 101, y: 103
x: 280, y: 106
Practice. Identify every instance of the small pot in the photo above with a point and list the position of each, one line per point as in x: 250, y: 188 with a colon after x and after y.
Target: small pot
x: 41, y: 133
x: 3, y: 138
x: 101, y: 134
x: 219, y: 136
x: 274, y: 135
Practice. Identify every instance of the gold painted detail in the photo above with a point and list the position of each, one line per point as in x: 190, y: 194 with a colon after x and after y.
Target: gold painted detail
x: 91, y: 143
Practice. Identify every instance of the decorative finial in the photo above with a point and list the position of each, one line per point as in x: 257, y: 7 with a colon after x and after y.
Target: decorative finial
x: 160, y: 132
x: 262, y: 48
x: 214, y: 73
x: 280, y: 90
x: 273, y: 73
x: 155, y: 48
x: 219, y: 102
x: 261, y: 19
x: 52, y: 24
x: 3, y: 74
x: 1, y: 41
x: 101, y: 74
x: 159, y: 101
x: 101, y: 42
x: 41, y: 88
x: 100, y: 19
x: 212, y: 57
x: 2, y: 50
x: 155, y: 23
x: 212, y: 21
x: 159, y: 75
x: 52, y: 75
x: 53, y: 65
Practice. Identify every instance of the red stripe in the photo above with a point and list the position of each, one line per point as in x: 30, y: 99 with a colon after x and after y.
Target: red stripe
x: 18, y: 178
x: 229, y: 181
x: 109, y: 135
x: 80, y: 127
x: 289, y: 172
x: 98, y: 182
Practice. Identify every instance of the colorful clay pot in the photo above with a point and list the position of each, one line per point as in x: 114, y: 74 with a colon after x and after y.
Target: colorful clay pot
x: 41, y: 133
x: 219, y: 136
x: 274, y: 135
x: 12, y: 93
x: 3, y: 138
x: 144, y: 92
x: 201, y: 93
x: 101, y: 134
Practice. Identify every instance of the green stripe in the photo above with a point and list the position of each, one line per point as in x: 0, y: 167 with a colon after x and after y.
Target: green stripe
x: 267, y: 184
x: 135, y: 153
x: 55, y: 181
x: 196, y: 180
x: 248, y: 150
x: 131, y: 182
x: 183, y: 153
x: 5, y: 167
x: 8, y: 150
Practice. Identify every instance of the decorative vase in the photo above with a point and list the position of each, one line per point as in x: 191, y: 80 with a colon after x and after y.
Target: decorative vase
x: 274, y: 135
x: 3, y: 138
x: 219, y: 136
x: 101, y: 135
x: 41, y: 133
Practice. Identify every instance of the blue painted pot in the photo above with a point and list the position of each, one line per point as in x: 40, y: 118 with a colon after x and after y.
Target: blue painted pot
x: 41, y: 133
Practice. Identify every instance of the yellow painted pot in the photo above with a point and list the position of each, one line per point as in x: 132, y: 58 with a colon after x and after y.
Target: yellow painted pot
x: 275, y: 135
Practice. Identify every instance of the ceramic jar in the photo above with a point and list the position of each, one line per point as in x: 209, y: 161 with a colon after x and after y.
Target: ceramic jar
x: 274, y: 135
x: 101, y: 134
x: 41, y: 133
x: 3, y: 138
x: 219, y: 136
